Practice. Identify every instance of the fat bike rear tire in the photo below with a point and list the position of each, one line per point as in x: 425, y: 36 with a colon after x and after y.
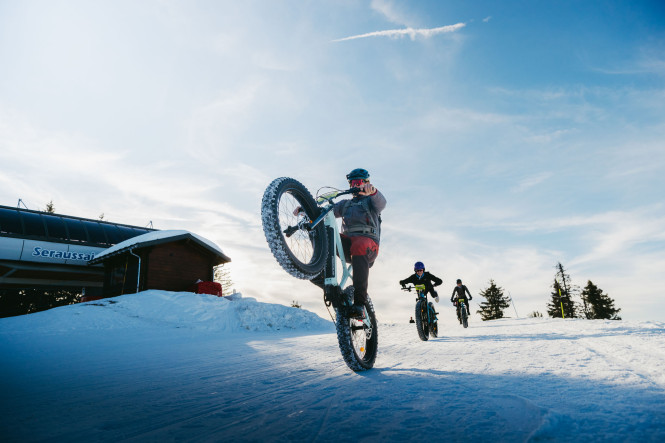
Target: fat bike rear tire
x: 421, y: 320
x: 433, y: 325
x: 303, y: 253
x: 357, y: 342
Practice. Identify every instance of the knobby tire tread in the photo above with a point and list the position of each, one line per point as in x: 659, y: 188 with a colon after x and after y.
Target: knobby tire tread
x: 279, y: 246
x: 354, y: 361
x: 421, y: 324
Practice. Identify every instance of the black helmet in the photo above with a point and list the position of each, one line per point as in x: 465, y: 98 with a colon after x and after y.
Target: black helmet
x: 459, y: 280
x: 418, y: 266
x: 357, y: 173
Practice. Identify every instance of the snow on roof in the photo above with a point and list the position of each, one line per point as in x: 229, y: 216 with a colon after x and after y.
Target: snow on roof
x: 156, y: 238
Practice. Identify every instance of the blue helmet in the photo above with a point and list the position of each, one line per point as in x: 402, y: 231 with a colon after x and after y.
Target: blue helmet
x: 358, y: 173
x: 418, y: 266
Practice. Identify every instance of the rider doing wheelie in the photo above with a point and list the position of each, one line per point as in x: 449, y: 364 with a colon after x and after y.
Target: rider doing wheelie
x: 422, y: 277
x: 459, y: 292
x: 361, y: 232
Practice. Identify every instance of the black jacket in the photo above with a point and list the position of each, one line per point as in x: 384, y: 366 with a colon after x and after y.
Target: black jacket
x: 427, y: 279
x: 460, y: 291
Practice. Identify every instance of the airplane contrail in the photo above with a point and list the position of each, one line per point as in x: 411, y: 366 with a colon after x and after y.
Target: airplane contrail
x: 412, y: 33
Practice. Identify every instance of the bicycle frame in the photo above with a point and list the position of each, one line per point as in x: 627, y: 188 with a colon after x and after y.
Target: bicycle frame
x: 420, y: 290
x: 421, y: 295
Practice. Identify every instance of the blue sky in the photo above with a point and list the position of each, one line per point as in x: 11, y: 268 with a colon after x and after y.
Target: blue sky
x: 506, y: 136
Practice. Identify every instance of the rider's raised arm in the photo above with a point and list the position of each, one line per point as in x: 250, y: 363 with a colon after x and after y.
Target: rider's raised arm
x: 436, y: 281
x: 378, y: 201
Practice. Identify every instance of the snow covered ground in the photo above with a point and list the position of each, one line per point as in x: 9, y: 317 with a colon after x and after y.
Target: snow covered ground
x: 161, y: 366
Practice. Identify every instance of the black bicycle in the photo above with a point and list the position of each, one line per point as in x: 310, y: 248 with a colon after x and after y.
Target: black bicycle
x: 304, y: 238
x: 462, y: 314
x: 426, y: 321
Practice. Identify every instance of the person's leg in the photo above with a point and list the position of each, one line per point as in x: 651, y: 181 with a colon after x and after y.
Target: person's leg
x: 363, y: 253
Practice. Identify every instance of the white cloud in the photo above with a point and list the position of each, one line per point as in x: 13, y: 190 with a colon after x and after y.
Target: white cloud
x: 410, y: 32
x: 533, y: 180
x: 389, y: 11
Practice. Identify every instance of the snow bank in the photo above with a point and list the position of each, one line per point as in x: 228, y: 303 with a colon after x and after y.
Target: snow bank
x: 150, y: 309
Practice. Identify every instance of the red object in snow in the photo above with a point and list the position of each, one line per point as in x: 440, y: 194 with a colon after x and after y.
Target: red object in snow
x: 209, y: 287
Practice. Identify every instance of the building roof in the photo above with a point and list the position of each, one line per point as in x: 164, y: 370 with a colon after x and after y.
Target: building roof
x: 58, y: 228
x: 158, y: 238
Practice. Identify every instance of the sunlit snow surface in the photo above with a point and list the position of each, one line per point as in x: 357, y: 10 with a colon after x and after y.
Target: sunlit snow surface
x: 162, y: 366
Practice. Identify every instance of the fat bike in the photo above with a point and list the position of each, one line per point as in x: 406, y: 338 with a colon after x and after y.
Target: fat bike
x: 462, y: 314
x: 304, y: 238
x: 426, y: 321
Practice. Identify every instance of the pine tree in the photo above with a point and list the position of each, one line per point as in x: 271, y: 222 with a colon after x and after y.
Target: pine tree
x: 222, y: 275
x: 601, y: 306
x: 561, y: 301
x: 50, y: 207
x: 492, y: 309
x: 562, y: 296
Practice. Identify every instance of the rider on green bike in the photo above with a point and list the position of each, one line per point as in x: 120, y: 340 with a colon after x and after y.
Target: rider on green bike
x: 422, y: 277
x: 361, y: 232
x: 459, y: 292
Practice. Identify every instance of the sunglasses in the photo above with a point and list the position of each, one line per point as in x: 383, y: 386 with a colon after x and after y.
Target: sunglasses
x: 357, y: 182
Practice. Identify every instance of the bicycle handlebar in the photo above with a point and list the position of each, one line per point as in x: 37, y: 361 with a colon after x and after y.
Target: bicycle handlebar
x: 329, y: 197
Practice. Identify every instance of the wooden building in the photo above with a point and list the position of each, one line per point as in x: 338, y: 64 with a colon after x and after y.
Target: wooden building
x: 169, y: 260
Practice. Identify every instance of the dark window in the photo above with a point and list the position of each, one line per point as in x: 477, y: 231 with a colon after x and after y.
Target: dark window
x: 56, y: 227
x: 76, y: 230
x: 128, y: 232
x: 95, y: 232
x: 113, y: 234
x: 33, y: 224
x: 10, y: 223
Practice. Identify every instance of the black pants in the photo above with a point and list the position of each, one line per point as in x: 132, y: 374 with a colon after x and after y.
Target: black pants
x: 361, y: 264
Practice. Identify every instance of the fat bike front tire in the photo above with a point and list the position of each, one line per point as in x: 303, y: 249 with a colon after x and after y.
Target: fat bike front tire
x: 433, y: 325
x: 421, y: 320
x: 358, y: 342
x: 301, y: 252
x: 465, y: 317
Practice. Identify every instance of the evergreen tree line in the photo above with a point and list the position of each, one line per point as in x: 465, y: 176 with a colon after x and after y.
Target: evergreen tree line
x: 20, y: 301
x: 593, y: 303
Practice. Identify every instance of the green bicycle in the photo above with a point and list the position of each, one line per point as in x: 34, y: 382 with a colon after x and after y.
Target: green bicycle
x: 304, y: 238
x: 426, y: 322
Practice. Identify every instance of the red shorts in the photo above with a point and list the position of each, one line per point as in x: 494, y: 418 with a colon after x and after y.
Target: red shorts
x: 360, y: 245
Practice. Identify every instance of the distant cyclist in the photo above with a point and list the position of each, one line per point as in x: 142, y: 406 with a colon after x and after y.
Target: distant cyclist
x: 459, y: 292
x: 422, y: 277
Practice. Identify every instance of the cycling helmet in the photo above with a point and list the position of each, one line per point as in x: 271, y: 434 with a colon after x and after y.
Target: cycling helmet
x: 358, y: 173
x: 418, y: 266
x: 459, y: 280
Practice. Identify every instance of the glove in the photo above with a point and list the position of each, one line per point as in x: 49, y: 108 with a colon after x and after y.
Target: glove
x: 470, y: 298
x: 403, y: 286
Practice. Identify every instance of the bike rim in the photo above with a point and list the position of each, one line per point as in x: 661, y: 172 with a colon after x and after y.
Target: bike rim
x: 300, y: 243
x: 360, y: 337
